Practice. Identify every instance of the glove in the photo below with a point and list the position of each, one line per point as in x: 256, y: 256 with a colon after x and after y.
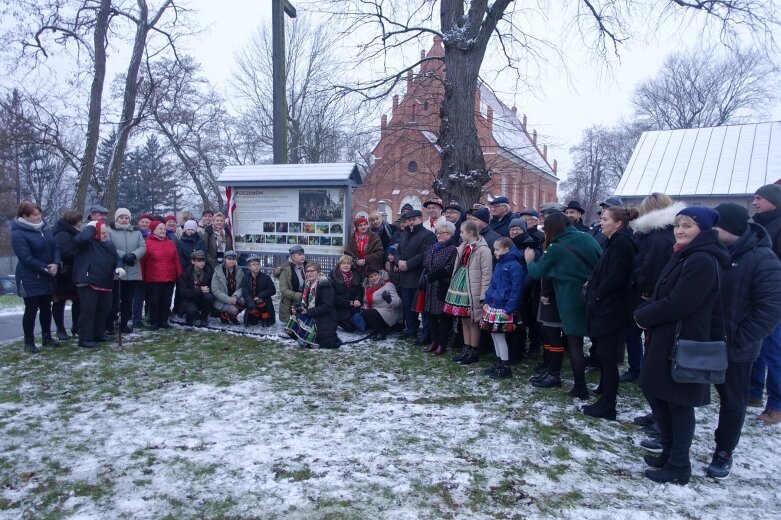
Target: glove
x: 386, y: 296
x: 129, y: 259
x: 119, y: 272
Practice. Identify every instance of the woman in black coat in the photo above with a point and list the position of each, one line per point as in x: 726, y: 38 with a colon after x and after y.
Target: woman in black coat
x: 94, y: 268
x: 65, y: 231
x: 608, y: 304
x: 686, y: 293
x: 438, y: 262
x: 314, y: 318
x: 348, y: 294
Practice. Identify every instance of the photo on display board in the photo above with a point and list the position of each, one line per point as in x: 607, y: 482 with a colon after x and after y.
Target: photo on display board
x: 294, y: 227
x: 240, y: 239
x: 292, y: 239
x: 271, y: 239
x: 336, y: 229
x: 320, y: 205
x: 337, y: 241
x: 325, y: 241
x: 281, y: 239
x: 322, y: 228
x: 281, y: 227
x: 309, y: 227
x: 303, y: 240
x: 269, y: 227
x: 260, y: 239
x: 314, y: 241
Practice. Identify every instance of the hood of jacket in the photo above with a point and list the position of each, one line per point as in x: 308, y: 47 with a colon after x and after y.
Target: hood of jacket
x: 23, y: 225
x: 513, y: 255
x: 61, y: 225
x: 708, y: 242
x: 657, y: 219
x: 756, y: 236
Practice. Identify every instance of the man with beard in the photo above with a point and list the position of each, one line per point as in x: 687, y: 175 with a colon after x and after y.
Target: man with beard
x: 575, y: 212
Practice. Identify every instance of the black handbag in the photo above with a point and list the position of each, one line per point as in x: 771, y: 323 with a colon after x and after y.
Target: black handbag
x: 700, y: 362
x: 422, y: 281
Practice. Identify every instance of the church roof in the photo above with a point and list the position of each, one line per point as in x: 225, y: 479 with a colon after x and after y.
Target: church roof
x: 721, y: 160
x: 509, y: 132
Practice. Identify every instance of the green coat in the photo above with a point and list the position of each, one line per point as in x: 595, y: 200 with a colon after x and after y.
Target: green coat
x: 569, y: 274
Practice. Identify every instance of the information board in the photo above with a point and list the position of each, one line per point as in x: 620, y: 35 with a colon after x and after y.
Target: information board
x: 270, y: 220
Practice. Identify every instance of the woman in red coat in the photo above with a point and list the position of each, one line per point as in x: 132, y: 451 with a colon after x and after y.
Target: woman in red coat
x: 160, y: 268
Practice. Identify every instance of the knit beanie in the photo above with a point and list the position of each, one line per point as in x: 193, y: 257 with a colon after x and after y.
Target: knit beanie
x: 120, y: 212
x: 360, y: 220
x: 169, y: 217
x: 733, y: 218
x: 153, y: 225
x: 191, y: 224
x: 483, y: 214
x: 771, y: 192
x: 518, y: 222
x: 705, y: 218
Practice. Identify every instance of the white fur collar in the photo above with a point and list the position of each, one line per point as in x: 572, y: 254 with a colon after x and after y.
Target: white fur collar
x: 658, y: 219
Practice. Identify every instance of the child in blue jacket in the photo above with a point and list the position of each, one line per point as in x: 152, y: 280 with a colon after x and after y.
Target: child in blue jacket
x: 502, y: 302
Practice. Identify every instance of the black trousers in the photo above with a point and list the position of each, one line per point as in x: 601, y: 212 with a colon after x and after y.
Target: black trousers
x: 374, y: 321
x: 58, y: 312
x: 159, y: 294
x: 676, y: 425
x: 197, y: 308
x: 733, y: 394
x: 439, y: 327
x: 124, y: 291
x: 95, y: 308
x: 41, y: 306
x: 608, y: 347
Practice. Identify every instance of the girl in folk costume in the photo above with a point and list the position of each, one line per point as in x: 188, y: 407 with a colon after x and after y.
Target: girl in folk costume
x: 470, y: 281
x: 226, y: 287
x: 502, y: 301
x: 313, y: 320
x: 381, y: 303
x: 364, y: 246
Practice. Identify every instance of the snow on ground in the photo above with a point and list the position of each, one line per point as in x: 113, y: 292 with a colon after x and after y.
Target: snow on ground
x: 206, y: 425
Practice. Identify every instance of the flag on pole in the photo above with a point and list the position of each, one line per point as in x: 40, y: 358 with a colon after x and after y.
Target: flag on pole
x: 231, y: 207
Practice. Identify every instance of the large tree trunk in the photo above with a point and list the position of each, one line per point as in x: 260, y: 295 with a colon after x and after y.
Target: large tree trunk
x: 95, y: 105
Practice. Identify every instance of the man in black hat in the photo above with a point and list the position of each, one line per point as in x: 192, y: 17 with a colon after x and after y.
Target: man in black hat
x: 404, y: 209
x: 500, y: 216
x: 575, y: 212
x: 412, y: 243
x: 194, y: 289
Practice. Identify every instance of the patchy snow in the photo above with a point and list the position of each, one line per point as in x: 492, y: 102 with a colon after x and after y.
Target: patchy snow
x: 369, y: 430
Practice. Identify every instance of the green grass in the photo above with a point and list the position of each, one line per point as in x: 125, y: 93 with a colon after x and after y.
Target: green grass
x: 10, y: 300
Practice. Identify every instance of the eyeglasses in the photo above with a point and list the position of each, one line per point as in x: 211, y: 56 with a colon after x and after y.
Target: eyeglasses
x: 311, y: 271
x: 442, y: 233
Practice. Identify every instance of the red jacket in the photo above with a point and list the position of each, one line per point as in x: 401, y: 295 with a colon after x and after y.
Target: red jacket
x: 161, y: 261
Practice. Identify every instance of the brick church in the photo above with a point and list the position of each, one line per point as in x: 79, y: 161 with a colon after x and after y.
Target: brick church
x: 407, y: 160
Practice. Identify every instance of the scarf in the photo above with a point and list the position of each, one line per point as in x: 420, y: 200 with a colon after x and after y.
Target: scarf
x: 219, y: 239
x: 310, y: 293
x: 370, y: 290
x: 677, y: 248
x: 467, y: 253
x: 347, y: 277
x: 121, y: 226
x: 230, y: 278
x: 24, y: 221
x: 361, y: 241
x: 197, y: 275
x: 254, y: 284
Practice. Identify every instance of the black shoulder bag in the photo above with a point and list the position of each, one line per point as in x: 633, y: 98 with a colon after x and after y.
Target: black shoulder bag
x: 700, y: 362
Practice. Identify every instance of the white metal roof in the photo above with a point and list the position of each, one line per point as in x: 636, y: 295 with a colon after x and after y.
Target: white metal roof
x: 509, y: 133
x: 721, y: 160
x: 310, y: 173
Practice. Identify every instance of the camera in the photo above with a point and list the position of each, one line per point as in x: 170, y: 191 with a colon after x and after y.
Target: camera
x: 299, y: 307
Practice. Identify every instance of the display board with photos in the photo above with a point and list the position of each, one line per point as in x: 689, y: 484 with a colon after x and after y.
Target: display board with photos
x: 271, y: 220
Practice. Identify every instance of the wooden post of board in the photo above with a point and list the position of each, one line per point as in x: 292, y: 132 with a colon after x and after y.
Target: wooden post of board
x: 279, y: 9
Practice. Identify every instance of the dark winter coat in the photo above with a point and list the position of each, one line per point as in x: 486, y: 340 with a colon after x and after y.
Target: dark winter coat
x: 324, y: 314
x: 186, y: 245
x: 686, y: 292
x: 95, y: 260
x: 35, y: 250
x: 385, y: 232
x: 608, y: 288
x: 374, y: 253
x: 530, y: 299
x: 186, y: 286
x: 438, y: 261
x: 264, y: 289
x: 412, y: 244
x: 580, y: 226
x: 771, y: 221
x: 501, y: 226
x: 507, y: 282
x: 536, y: 234
x: 344, y: 295
x: 65, y: 238
x: 569, y: 274
x: 655, y: 240
x: 211, y: 245
x: 751, y: 292
x: 490, y: 237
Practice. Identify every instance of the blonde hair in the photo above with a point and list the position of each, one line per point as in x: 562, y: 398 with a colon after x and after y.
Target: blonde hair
x: 345, y: 259
x: 655, y: 201
x: 684, y: 218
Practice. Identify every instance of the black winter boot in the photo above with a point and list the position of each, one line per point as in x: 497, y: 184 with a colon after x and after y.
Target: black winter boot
x: 580, y: 390
x: 670, y: 474
x: 30, y: 346
x: 551, y: 380
x: 49, y: 341
x: 502, y: 371
x: 656, y: 461
x: 469, y: 357
x: 602, y: 409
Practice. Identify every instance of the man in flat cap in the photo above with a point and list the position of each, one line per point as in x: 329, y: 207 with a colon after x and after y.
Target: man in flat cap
x: 500, y: 216
x: 194, y: 289
x: 97, y: 212
x: 291, y: 281
x: 412, y: 243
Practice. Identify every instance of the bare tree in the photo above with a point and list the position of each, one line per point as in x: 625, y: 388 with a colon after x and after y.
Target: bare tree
x: 187, y: 110
x: 318, y: 117
x: 702, y: 88
x: 86, y: 28
x: 467, y: 28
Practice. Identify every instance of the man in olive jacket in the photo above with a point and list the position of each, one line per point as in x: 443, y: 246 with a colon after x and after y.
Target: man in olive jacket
x: 412, y: 243
x: 751, y: 302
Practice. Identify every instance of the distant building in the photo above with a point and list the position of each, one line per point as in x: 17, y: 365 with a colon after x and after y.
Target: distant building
x: 407, y: 160
x: 704, y: 166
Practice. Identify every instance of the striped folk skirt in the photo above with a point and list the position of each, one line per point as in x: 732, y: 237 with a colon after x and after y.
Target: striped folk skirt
x: 302, y: 328
x: 457, y: 299
x: 496, y: 320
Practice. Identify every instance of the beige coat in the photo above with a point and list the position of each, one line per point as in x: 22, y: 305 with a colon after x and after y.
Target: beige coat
x: 478, y: 274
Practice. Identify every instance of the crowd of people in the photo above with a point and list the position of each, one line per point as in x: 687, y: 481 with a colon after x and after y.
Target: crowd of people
x: 533, y: 284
